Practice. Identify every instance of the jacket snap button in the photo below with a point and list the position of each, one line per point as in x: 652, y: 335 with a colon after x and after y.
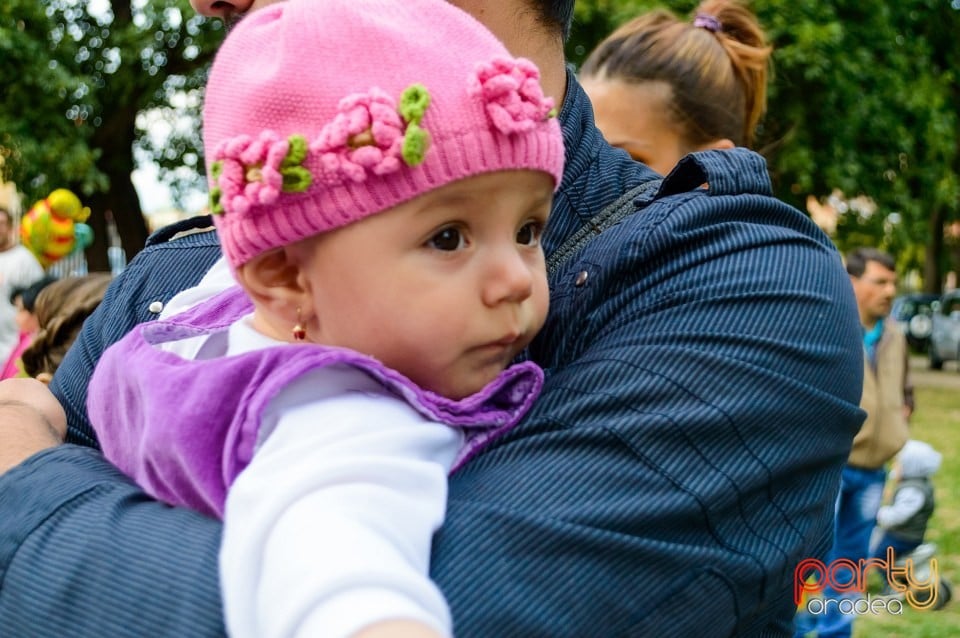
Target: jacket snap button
x: 581, y: 278
x: 156, y: 307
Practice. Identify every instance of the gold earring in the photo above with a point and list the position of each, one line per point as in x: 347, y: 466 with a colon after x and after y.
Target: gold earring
x: 299, y: 332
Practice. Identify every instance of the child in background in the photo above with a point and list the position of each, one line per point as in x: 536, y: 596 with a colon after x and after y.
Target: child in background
x: 24, y: 301
x: 902, y: 527
x: 61, y: 309
x: 380, y: 175
x: 903, y: 523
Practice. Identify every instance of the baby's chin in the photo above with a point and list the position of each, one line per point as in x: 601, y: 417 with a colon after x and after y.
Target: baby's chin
x: 457, y: 389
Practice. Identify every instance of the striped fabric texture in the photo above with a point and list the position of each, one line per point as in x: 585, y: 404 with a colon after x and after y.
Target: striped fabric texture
x: 703, y: 366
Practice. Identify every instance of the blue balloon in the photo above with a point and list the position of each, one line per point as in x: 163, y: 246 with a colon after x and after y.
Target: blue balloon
x: 84, y: 236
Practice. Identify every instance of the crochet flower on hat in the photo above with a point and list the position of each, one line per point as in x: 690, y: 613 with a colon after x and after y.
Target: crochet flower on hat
x: 370, y: 134
x: 510, y: 90
x: 365, y: 134
x: 255, y: 170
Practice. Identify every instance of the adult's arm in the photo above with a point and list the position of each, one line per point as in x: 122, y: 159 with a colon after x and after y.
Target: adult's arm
x: 32, y: 420
x: 704, y: 374
x: 83, y: 552
x: 24, y: 433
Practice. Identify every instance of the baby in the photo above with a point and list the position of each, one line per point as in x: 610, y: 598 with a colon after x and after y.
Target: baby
x: 380, y: 172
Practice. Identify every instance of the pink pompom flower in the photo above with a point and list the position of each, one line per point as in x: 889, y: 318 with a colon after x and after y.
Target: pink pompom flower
x: 365, y: 135
x: 511, y: 93
x: 249, y: 171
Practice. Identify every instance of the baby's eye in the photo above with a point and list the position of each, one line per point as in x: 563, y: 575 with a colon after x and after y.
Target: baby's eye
x: 447, y: 239
x: 529, y: 234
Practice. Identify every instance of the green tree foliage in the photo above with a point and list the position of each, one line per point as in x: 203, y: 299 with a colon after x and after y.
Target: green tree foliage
x: 594, y: 19
x: 76, y: 76
x: 864, y: 99
x: 39, y: 80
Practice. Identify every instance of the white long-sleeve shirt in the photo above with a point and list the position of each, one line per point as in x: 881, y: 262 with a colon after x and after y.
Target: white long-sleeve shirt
x: 328, y: 528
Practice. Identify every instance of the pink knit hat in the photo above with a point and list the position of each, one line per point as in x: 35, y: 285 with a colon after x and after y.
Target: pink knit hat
x: 319, y: 113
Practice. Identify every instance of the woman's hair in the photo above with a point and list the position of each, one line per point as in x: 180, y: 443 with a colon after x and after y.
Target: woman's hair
x: 28, y: 294
x: 61, y: 309
x: 716, y: 65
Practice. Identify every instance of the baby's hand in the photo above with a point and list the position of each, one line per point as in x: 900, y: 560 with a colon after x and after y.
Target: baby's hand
x: 31, y: 419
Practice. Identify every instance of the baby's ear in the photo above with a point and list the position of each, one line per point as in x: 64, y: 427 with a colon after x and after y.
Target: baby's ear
x: 273, y: 282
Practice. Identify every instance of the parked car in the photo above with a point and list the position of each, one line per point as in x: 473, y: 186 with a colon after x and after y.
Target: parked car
x: 913, y: 313
x: 945, y: 336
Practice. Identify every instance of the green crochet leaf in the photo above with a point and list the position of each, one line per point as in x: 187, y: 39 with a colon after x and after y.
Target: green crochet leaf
x: 216, y: 208
x: 414, y: 102
x: 415, y: 144
x: 296, y: 179
x: 297, y: 152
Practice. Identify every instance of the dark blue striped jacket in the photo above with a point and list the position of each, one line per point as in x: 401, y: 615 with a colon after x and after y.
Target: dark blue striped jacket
x: 704, y: 370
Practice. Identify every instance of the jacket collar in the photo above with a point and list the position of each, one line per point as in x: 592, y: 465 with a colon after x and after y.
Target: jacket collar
x: 595, y: 174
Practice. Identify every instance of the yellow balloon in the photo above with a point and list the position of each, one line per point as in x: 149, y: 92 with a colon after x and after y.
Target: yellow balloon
x: 48, y: 228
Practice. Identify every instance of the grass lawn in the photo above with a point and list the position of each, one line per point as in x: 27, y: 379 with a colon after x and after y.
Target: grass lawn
x: 936, y: 421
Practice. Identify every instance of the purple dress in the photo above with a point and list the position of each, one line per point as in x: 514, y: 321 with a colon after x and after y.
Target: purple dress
x: 184, y: 429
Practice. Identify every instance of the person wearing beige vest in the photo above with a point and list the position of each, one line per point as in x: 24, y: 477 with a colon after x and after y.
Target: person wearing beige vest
x: 888, y: 402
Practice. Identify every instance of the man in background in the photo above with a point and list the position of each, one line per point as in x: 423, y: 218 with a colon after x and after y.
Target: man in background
x: 888, y: 401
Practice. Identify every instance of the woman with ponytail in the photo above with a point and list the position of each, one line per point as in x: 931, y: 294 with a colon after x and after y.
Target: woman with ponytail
x: 662, y: 86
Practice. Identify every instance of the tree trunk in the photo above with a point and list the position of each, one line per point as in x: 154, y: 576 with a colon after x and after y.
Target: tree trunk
x: 933, y: 256
x: 120, y: 202
x: 121, y: 205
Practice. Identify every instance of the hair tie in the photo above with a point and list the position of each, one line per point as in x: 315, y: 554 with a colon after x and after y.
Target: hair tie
x: 708, y: 22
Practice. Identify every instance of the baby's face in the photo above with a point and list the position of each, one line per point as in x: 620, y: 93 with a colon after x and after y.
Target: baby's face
x: 447, y: 288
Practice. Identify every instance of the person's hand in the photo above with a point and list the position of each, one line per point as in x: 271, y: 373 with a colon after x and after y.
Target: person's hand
x: 31, y: 420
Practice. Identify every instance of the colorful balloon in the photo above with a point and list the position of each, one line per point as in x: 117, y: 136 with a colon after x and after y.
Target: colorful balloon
x: 53, y: 227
